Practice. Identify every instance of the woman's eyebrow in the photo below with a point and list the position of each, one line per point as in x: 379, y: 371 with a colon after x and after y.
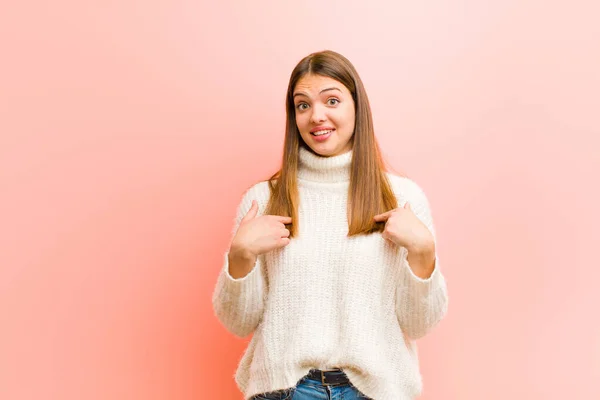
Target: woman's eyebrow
x: 324, y: 90
x: 331, y: 88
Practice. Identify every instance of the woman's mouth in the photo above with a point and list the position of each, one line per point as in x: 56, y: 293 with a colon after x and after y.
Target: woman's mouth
x: 323, y: 135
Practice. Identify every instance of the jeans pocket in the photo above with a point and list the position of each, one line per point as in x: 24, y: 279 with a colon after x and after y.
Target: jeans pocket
x: 284, y: 394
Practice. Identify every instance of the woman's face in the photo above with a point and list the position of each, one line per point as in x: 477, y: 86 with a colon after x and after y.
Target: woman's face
x: 324, y: 114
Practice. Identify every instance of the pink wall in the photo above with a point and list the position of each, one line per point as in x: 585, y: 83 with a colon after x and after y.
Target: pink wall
x: 130, y: 129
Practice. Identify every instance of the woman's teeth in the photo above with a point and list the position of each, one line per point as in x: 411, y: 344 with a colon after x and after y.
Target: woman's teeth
x: 319, y: 133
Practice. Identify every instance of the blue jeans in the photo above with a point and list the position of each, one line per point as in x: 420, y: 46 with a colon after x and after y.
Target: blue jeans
x: 309, y: 389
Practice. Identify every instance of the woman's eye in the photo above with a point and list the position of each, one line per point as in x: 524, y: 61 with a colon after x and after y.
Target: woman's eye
x: 301, y: 106
x: 333, y: 104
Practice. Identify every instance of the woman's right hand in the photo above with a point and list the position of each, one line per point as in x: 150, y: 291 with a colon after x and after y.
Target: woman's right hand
x: 259, y: 235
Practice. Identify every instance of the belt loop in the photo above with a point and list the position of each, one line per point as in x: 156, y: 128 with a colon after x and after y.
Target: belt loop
x: 323, y: 377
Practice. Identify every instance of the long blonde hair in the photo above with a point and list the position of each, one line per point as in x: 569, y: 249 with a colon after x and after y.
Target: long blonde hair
x: 369, y: 192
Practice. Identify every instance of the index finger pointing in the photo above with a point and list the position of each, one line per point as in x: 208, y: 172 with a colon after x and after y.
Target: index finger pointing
x: 383, y: 217
x: 282, y: 219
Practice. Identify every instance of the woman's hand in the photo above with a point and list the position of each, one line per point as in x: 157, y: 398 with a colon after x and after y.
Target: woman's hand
x: 404, y: 228
x: 259, y: 235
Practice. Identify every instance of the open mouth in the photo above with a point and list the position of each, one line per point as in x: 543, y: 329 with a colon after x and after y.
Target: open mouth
x: 322, y: 133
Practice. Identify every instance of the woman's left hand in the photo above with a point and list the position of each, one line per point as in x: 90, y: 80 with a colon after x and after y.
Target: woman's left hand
x: 404, y: 228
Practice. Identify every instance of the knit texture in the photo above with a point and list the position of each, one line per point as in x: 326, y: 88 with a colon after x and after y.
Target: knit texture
x: 331, y: 301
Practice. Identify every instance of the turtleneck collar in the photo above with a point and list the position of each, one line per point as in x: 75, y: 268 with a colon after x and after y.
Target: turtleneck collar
x: 312, y: 167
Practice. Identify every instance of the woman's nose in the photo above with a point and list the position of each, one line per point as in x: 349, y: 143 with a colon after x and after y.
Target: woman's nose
x: 318, y: 115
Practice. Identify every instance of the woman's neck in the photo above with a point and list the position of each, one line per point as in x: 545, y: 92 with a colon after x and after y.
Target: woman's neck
x: 313, y: 167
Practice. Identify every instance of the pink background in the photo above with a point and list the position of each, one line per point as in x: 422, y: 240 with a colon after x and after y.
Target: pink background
x: 130, y: 129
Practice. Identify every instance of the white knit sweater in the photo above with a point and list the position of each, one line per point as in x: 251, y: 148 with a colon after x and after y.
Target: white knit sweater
x: 327, y: 300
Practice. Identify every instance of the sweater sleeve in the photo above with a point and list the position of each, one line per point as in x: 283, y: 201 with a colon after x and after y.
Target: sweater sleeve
x: 420, y: 303
x: 239, y: 303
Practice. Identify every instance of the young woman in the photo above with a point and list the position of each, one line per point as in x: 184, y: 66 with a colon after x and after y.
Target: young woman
x: 332, y: 263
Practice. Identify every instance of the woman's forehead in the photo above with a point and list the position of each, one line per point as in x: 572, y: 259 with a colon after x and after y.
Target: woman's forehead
x: 317, y: 83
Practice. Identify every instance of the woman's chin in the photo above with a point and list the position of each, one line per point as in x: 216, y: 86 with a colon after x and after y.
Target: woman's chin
x: 324, y: 151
